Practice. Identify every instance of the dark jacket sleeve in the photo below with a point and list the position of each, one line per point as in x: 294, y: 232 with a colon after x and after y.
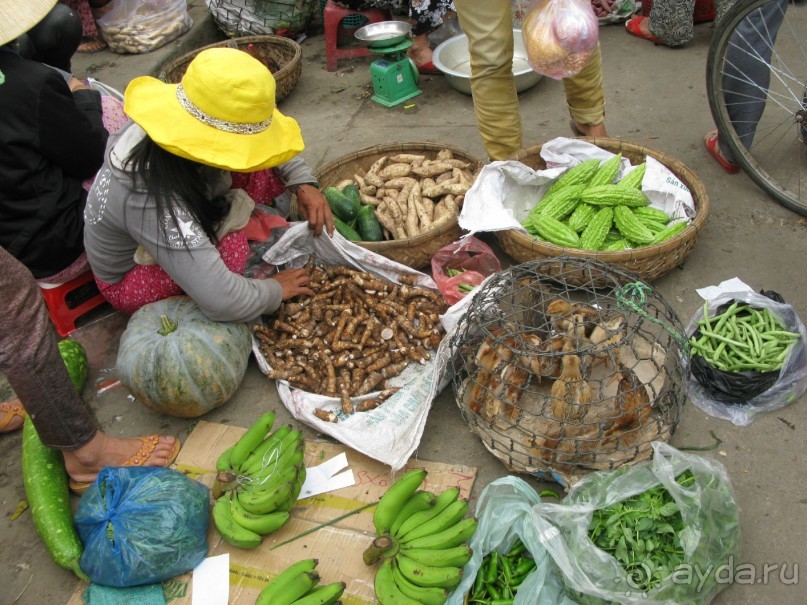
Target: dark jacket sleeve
x: 71, y: 132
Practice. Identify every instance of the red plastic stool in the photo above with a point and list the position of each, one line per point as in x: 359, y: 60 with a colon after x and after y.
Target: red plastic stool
x: 70, y: 300
x: 334, y: 15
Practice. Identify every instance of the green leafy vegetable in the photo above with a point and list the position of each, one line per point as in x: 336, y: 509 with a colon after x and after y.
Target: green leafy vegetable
x: 642, y: 533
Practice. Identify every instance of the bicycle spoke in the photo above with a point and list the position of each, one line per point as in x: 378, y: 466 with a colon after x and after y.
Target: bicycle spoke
x: 756, y: 88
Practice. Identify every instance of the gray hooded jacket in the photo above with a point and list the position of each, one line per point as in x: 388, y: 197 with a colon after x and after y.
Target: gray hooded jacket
x: 119, y: 217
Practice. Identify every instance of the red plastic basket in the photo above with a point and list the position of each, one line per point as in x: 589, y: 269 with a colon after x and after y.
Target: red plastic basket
x: 704, y: 10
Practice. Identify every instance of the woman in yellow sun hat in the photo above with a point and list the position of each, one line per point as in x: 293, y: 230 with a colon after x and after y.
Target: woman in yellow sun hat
x: 168, y: 212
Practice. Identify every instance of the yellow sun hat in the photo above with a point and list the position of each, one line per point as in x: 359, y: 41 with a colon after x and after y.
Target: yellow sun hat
x: 17, y: 17
x: 221, y: 114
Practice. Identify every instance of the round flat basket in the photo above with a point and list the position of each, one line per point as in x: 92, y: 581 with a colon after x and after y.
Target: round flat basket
x: 561, y: 380
x: 415, y: 252
x: 647, y: 262
x: 282, y: 56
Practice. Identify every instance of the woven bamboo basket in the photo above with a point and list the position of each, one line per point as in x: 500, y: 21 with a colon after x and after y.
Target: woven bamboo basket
x: 282, y: 56
x: 415, y: 252
x: 648, y: 262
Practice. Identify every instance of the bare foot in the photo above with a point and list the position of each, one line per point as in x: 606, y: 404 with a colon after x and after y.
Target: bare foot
x: 591, y: 130
x: 420, y: 52
x: 91, y: 45
x: 84, y: 464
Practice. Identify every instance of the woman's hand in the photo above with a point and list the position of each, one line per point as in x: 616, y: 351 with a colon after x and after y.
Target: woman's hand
x: 75, y: 84
x: 602, y: 8
x: 314, y: 208
x: 294, y: 282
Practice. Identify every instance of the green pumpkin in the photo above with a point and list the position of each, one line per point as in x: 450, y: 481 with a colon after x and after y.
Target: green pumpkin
x: 75, y: 360
x: 177, y: 361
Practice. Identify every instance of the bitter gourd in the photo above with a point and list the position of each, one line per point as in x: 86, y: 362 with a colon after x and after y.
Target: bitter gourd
x: 581, y: 217
x: 633, y: 180
x: 614, y: 195
x: 669, y: 232
x: 594, y: 235
x: 606, y: 173
x: 630, y: 227
x: 555, y: 232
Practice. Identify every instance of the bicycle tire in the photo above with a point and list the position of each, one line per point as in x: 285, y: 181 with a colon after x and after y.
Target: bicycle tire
x: 776, y: 159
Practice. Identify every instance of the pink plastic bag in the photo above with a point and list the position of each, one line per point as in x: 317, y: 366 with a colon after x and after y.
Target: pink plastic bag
x: 475, y: 261
x: 560, y: 36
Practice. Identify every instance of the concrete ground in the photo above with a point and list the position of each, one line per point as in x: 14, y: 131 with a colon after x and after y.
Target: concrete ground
x: 656, y: 97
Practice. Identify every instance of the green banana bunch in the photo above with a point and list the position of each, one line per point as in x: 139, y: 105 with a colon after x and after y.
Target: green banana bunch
x: 259, y: 479
x: 421, y: 541
x: 298, y: 584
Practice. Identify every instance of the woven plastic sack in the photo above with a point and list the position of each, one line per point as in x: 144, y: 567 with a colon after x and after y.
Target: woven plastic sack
x: 711, y: 537
x: 790, y: 384
x: 473, y: 257
x: 140, y: 26
x: 141, y: 525
x: 503, y: 511
x: 560, y: 36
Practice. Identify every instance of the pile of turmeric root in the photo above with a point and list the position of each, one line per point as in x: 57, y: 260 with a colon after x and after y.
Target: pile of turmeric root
x: 354, y: 334
x: 544, y: 386
x: 413, y: 194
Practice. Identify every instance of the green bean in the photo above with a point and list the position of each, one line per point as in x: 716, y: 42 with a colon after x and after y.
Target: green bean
x: 728, y: 313
x: 782, y: 334
x: 724, y: 339
x: 718, y: 351
x: 705, y: 320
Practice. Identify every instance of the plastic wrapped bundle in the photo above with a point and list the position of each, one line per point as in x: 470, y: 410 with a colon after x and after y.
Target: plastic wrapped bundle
x: 560, y: 36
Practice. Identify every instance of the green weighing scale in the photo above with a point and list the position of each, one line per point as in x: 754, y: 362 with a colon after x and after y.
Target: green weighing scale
x: 394, y: 76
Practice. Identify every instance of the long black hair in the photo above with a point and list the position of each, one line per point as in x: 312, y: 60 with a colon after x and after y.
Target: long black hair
x: 173, y: 181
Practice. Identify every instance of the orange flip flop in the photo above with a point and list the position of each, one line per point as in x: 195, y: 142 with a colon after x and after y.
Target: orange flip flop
x: 12, y: 409
x: 149, y: 444
x: 711, y: 142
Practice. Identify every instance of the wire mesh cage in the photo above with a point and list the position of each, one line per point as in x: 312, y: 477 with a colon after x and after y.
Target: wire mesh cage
x: 559, y: 380
x: 255, y: 17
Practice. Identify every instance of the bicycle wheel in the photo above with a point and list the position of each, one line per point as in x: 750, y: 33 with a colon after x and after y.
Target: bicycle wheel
x: 756, y: 79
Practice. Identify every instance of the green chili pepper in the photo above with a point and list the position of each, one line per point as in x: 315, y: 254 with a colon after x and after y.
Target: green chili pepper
x: 493, y: 590
x: 493, y: 568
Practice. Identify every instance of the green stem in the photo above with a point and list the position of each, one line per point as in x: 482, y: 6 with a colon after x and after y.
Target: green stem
x: 168, y: 326
x: 331, y: 522
x: 706, y: 448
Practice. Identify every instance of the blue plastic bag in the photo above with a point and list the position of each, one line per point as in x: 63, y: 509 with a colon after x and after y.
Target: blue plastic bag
x: 142, y: 524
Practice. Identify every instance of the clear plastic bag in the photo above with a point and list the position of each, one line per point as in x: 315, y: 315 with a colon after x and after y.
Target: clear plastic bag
x: 791, y: 383
x: 257, y: 17
x: 503, y: 511
x: 472, y: 257
x: 140, y: 26
x: 711, y: 537
x: 560, y: 36
x: 142, y: 524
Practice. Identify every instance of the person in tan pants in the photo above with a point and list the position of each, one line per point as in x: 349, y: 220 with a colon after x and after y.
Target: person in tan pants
x: 489, y: 27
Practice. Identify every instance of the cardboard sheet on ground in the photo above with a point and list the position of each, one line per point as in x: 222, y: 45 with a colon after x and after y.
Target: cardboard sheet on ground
x: 338, y: 547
